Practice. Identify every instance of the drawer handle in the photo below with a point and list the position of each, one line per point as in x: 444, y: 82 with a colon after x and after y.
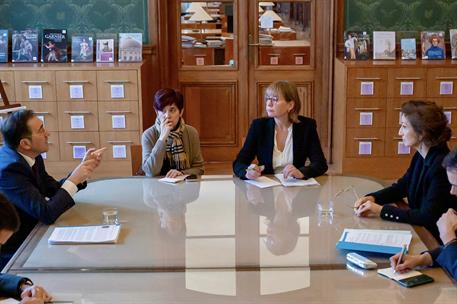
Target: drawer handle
x: 42, y: 113
x: 302, y: 54
x: 118, y: 112
x: 34, y: 81
x: 79, y: 142
x: 449, y: 108
x: 365, y: 138
x: 117, y: 81
x: 398, y: 109
x: 274, y: 55
x: 397, y: 138
x: 201, y: 55
x: 446, y: 78
x: 77, y: 112
x: 76, y: 81
x: 368, y: 78
x: 367, y: 109
x: 408, y: 78
x: 120, y: 142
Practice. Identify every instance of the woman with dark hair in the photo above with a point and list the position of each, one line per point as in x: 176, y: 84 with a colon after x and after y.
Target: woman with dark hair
x: 170, y: 147
x: 424, y: 127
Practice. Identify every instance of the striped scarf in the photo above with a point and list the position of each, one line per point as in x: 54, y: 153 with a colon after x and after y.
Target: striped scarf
x: 175, y: 148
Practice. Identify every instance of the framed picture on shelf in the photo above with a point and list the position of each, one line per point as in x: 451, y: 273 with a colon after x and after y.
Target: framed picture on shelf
x: 433, y: 47
x: 453, y: 43
x: 408, y: 48
x: 384, y: 45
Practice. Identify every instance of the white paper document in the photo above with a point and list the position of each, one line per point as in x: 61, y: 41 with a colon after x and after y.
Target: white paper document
x: 173, y: 180
x: 291, y: 182
x: 389, y: 272
x: 391, y: 238
x: 263, y: 182
x: 85, y: 234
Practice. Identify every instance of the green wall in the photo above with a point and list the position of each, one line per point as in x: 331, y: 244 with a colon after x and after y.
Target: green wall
x: 400, y: 15
x: 77, y: 16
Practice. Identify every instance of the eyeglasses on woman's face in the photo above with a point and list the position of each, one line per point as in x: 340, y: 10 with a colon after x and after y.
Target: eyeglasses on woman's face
x: 271, y: 98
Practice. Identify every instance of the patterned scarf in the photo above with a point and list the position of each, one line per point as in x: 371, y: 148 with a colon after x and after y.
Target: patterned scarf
x: 175, y: 148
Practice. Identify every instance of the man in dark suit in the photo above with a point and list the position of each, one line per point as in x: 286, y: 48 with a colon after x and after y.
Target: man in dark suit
x: 25, y: 182
x: 12, y: 285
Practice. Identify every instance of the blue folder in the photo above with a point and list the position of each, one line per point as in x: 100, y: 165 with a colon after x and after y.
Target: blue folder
x: 343, y: 245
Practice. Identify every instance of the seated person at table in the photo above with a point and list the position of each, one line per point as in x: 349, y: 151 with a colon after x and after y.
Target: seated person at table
x: 12, y: 285
x: 170, y: 147
x: 424, y: 127
x: 283, y: 141
x: 445, y: 256
x: 25, y: 182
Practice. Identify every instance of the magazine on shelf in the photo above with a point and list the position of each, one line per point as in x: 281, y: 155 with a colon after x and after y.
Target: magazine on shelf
x: 54, y: 45
x: 82, y: 48
x: 130, y: 47
x: 105, y: 50
x: 24, y: 45
x: 356, y: 45
x: 433, y: 47
x: 453, y: 43
x: 384, y: 45
x: 408, y: 48
x: 3, y: 45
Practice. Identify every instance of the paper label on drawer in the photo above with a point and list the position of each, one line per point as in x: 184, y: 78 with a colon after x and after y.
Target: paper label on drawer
x: 446, y: 87
x: 367, y: 88
x: 76, y: 91
x: 365, y: 147
x: 274, y: 60
x: 35, y: 92
x: 44, y: 155
x: 119, y: 151
x: 406, y: 88
x: 77, y: 121
x: 298, y: 59
x: 400, y: 116
x: 79, y: 152
x: 366, y: 118
x: 448, y: 116
x: 117, y: 91
x: 200, y: 61
x: 118, y: 121
x: 266, y: 22
x: 403, y: 149
x: 40, y: 117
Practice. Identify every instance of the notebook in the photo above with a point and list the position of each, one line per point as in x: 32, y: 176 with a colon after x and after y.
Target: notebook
x: 93, y: 234
x: 408, y: 279
x: 173, y: 180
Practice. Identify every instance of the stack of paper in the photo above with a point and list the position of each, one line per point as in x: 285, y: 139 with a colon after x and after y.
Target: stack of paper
x: 85, y: 234
x: 293, y: 182
x: 173, y: 180
x: 263, y: 182
x: 382, y: 241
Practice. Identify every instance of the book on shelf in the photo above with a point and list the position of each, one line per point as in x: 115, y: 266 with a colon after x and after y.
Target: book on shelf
x: 54, y: 45
x: 408, y: 48
x: 130, y: 47
x: 433, y: 47
x: 3, y: 45
x: 384, y: 45
x: 82, y: 48
x: 453, y: 43
x: 105, y: 50
x: 24, y: 45
x: 356, y: 45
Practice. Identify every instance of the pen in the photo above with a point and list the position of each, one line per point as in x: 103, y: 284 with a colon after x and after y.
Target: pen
x: 402, y: 253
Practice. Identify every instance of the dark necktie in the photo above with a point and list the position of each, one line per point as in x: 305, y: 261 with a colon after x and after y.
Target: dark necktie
x: 35, y: 171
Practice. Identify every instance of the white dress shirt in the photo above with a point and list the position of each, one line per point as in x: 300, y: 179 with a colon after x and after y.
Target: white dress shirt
x: 286, y: 157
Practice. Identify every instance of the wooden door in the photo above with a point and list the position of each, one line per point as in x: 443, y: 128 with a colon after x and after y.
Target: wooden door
x: 222, y: 71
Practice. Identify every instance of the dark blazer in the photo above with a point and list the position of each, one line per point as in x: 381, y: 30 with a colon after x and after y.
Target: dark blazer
x: 260, y: 143
x: 426, y: 187
x: 10, y: 285
x: 446, y: 257
x: 28, y: 194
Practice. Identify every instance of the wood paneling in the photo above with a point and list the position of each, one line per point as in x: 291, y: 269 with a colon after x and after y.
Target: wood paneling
x: 47, y: 110
x: 45, y: 79
x: 7, y: 79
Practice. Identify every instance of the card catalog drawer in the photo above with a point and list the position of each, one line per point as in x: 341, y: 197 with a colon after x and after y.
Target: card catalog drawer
x: 367, y: 83
x: 118, y: 144
x: 117, y: 85
x: 393, y: 112
x: 77, y: 116
x: 7, y: 79
x: 119, y: 116
x: 76, y: 85
x: 442, y: 82
x: 450, y: 110
x: 35, y: 85
x: 369, y: 113
x: 395, y: 146
x: 73, y: 144
x: 407, y: 82
x: 53, y: 153
x: 46, y: 111
x: 365, y: 142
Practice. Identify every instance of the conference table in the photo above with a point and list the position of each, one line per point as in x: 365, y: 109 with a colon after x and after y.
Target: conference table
x: 220, y: 240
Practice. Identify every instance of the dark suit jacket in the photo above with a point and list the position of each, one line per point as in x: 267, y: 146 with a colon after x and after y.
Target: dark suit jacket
x: 426, y: 186
x: 10, y: 285
x: 446, y: 257
x: 260, y: 143
x: 28, y: 193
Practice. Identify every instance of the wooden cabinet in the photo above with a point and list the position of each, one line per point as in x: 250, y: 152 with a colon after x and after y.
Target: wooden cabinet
x: 83, y: 106
x: 368, y: 97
